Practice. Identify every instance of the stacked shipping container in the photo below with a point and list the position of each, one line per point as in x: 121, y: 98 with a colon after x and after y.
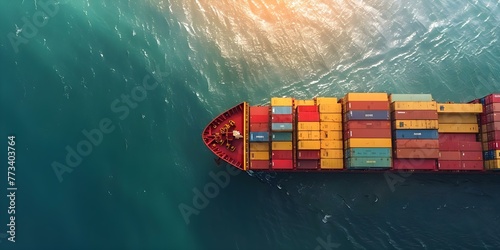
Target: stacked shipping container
x: 490, y: 131
x: 330, y: 117
x: 259, y: 137
x: 458, y: 137
x: 308, y: 136
x: 367, y: 131
x: 415, y: 124
x: 282, y: 133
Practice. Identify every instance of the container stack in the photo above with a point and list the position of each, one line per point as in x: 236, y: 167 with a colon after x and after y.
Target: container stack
x: 308, y: 136
x: 458, y: 137
x: 490, y: 131
x: 259, y: 137
x: 282, y: 133
x: 367, y: 131
x: 330, y: 117
x: 415, y: 124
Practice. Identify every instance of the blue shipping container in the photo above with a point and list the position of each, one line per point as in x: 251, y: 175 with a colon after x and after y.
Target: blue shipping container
x: 281, y: 126
x: 369, y: 152
x: 492, y: 155
x: 259, y: 136
x: 282, y: 136
x: 369, y: 162
x: 487, y: 155
x: 368, y: 115
x: 417, y: 134
x: 282, y: 110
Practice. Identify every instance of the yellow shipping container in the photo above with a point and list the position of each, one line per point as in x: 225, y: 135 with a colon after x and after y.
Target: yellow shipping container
x: 282, y: 101
x: 331, y: 135
x: 304, y: 103
x: 415, y: 124
x: 487, y: 165
x: 494, y: 164
x: 308, y: 126
x: 259, y: 155
x: 282, y: 145
x: 485, y: 145
x: 475, y: 108
x: 331, y: 126
x: 332, y: 153
x: 332, y: 163
x: 259, y: 146
x: 308, y: 135
x: 366, y: 97
x: 326, y: 100
x: 458, y: 128
x: 312, y: 145
x: 330, y: 108
x: 413, y: 106
x: 330, y: 117
x: 369, y: 143
x: 331, y: 144
x: 483, y: 128
x: 457, y: 118
x: 484, y: 137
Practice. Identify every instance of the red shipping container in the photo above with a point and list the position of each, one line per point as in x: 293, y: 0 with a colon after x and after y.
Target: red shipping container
x: 368, y: 124
x: 483, y: 119
x: 492, y: 98
x: 368, y: 133
x: 416, y: 143
x: 444, y: 137
x: 417, y: 153
x: 259, y: 127
x: 492, y: 107
x: 449, y: 165
x: 492, y: 126
x: 472, y: 165
x: 259, y: 164
x: 286, y: 118
x: 309, y: 108
x: 493, y: 135
x: 282, y: 164
x: 470, y: 146
x: 367, y: 105
x: 449, y: 146
x: 471, y: 155
x: 414, y: 164
x: 282, y: 154
x: 259, y: 118
x: 307, y: 164
x: 493, y: 145
x: 493, y: 117
x: 309, y: 154
x: 308, y: 116
x: 449, y: 155
x: 259, y: 110
x: 415, y: 115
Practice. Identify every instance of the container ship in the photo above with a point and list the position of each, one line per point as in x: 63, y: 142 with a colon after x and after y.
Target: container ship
x: 359, y: 132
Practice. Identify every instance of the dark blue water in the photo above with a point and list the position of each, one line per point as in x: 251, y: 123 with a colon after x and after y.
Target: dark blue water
x: 107, y: 100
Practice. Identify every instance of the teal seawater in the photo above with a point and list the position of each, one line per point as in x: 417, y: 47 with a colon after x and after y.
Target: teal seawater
x: 69, y: 73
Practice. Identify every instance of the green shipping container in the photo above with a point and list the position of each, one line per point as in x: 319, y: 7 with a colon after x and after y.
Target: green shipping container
x: 368, y: 162
x: 282, y: 136
x: 410, y: 98
x: 369, y: 152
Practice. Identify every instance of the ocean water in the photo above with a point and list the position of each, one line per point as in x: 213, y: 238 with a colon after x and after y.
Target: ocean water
x: 107, y: 100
